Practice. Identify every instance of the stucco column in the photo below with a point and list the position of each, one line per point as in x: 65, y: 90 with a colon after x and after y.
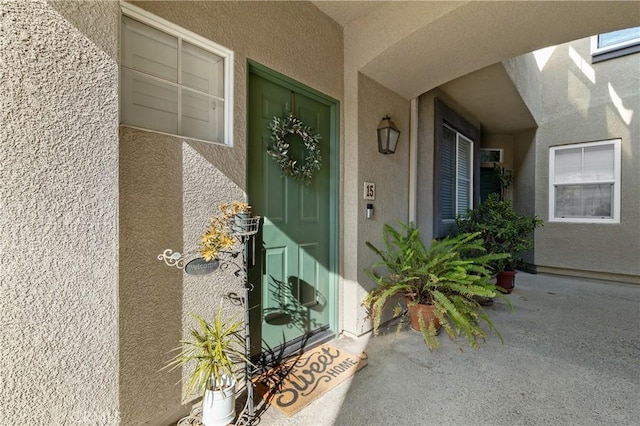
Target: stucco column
x: 59, y: 213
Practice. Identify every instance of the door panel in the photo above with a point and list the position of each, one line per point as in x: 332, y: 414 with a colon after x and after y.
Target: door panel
x: 293, y: 272
x: 489, y: 183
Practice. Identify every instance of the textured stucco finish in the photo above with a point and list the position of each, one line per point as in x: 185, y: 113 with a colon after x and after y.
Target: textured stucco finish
x: 390, y: 173
x: 150, y: 292
x: 164, y: 204
x: 61, y: 281
x: 275, y: 34
x: 574, y: 104
x: 524, y: 163
x: 58, y: 217
x: 410, y: 47
x: 96, y: 20
x: 171, y: 187
x: 521, y: 70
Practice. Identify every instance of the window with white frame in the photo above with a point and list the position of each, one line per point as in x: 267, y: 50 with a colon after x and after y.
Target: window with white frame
x: 584, y: 182
x: 614, y: 44
x: 456, y: 184
x: 174, y: 81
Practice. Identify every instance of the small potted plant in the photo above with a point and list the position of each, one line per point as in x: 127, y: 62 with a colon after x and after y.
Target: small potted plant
x: 213, y: 351
x: 437, y: 282
x: 502, y: 230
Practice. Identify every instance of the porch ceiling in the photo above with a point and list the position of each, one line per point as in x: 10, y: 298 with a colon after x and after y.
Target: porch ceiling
x: 490, y: 95
x: 343, y: 12
x: 412, y: 47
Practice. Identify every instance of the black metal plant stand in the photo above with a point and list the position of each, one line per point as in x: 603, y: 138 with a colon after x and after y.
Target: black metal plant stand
x: 244, y: 227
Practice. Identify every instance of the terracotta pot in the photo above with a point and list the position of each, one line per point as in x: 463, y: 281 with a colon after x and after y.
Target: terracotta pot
x: 506, y: 280
x: 427, y: 313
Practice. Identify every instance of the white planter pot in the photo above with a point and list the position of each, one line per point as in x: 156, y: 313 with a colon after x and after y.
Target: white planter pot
x: 219, y: 407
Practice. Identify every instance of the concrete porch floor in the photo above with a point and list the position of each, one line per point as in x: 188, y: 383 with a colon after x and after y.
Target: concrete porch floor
x: 571, y: 355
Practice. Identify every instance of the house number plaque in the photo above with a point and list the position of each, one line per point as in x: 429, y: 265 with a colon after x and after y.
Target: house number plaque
x: 369, y: 191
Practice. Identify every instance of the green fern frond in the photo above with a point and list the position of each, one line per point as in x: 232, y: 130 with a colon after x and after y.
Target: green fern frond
x: 449, y: 274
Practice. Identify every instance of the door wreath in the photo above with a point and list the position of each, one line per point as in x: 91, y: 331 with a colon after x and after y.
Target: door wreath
x: 279, y: 150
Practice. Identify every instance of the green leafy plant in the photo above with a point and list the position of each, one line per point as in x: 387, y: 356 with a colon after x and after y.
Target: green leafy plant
x: 438, y: 276
x: 505, y: 178
x: 215, y: 348
x: 501, y: 229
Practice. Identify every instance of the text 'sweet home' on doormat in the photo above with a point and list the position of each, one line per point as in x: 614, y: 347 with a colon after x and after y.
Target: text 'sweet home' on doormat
x: 292, y: 385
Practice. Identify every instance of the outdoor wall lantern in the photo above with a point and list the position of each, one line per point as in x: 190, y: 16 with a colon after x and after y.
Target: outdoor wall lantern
x: 388, y: 135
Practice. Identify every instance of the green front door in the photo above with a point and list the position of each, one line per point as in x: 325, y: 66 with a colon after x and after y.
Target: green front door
x: 489, y: 183
x: 294, y: 262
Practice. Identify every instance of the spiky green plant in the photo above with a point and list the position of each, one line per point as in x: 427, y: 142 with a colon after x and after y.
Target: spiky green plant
x: 438, y: 276
x: 215, y: 348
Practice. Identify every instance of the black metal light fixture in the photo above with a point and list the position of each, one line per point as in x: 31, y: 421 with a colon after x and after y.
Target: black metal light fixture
x: 388, y: 135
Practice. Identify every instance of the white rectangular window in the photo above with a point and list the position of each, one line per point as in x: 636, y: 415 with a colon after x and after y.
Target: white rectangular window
x: 614, y: 44
x: 584, y: 182
x: 174, y: 81
x: 456, y: 187
x: 490, y: 156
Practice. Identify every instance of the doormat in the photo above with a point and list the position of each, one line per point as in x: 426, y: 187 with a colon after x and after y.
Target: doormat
x: 292, y: 385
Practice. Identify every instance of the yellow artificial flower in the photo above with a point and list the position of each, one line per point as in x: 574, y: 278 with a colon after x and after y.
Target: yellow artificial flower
x: 218, y: 234
x: 208, y: 253
x: 239, y: 207
x: 227, y: 242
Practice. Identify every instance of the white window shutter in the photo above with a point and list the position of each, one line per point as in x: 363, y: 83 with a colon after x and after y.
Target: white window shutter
x: 448, y: 174
x: 148, y: 103
x: 202, y: 70
x: 464, y: 175
x: 149, y: 51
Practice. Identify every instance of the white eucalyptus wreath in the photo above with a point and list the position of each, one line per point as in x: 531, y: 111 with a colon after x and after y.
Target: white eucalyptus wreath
x: 279, y: 150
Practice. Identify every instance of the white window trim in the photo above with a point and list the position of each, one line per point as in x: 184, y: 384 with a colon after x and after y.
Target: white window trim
x: 492, y: 163
x: 168, y: 27
x: 597, y: 52
x: 616, y: 185
x: 471, y: 159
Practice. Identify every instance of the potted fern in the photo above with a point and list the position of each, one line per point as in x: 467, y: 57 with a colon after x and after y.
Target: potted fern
x: 438, y: 281
x: 502, y: 230
x: 213, y: 351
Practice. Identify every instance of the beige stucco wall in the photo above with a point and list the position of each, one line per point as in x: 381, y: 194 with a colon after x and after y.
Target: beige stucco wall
x: 425, y: 162
x: 293, y: 38
x: 396, y: 44
x: 390, y: 173
x: 504, y: 142
x: 524, y: 156
x: 524, y: 175
x: 411, y: 48
x: 65, y: 192
x: 170, y: 188
x: 165, y: 203
x: 58, y: 214
x: 578, y: 104
x: 527, y: 81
